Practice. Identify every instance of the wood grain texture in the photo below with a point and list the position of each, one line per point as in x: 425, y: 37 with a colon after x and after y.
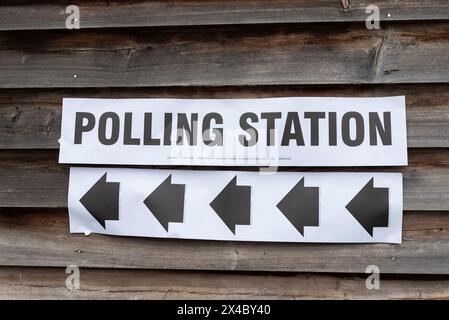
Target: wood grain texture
x: 234, y: 55
x: 41, y: 238
x: 31, y: 118
x: 34, y: 179
x: 49, y: 283
x: 32, y: 15
x: 217, y: 49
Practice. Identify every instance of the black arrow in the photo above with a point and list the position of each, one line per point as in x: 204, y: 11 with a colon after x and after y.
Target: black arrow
x: 301, y: 206
x: 233, y: 205
x: 102, y: 200
x: 166, y: 202
x: 370, y: 207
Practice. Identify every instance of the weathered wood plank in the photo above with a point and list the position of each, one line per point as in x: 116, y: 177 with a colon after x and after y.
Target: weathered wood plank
x: 34, y: 179
x: 23, y: 15
x: 235, y: 55
x: 31, y: 119
x: 30, y: 238
x: 49, y: 283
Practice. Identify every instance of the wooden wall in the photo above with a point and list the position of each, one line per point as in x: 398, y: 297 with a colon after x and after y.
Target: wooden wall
x: 226, y: 49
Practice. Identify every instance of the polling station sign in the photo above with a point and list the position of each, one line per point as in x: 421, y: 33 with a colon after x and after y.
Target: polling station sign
x: 293, y: 131
x: 235, y: 205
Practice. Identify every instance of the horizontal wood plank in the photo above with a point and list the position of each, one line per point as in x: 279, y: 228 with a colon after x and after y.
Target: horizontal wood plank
x: 26, y: 15
x: 31, y: 119
x: 30, y: 238
x: 49, y: 283
x: 234, y: 55
x: 203, y: 49
x: 34, y: 179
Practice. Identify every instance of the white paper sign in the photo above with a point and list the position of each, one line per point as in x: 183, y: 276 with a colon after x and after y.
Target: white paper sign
x: 235, y: 132
x: 230, y: 205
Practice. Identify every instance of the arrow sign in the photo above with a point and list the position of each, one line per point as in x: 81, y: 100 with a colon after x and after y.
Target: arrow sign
x: 370, y: 207
x: 166, y: 202
x: 233, y: 205
x: 301, y: 206
x: 213, y: 205
x: 102, y: 200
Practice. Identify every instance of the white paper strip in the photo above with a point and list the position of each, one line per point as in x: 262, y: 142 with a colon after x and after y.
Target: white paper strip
x: 235, y: 132
x: 229, y: 205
